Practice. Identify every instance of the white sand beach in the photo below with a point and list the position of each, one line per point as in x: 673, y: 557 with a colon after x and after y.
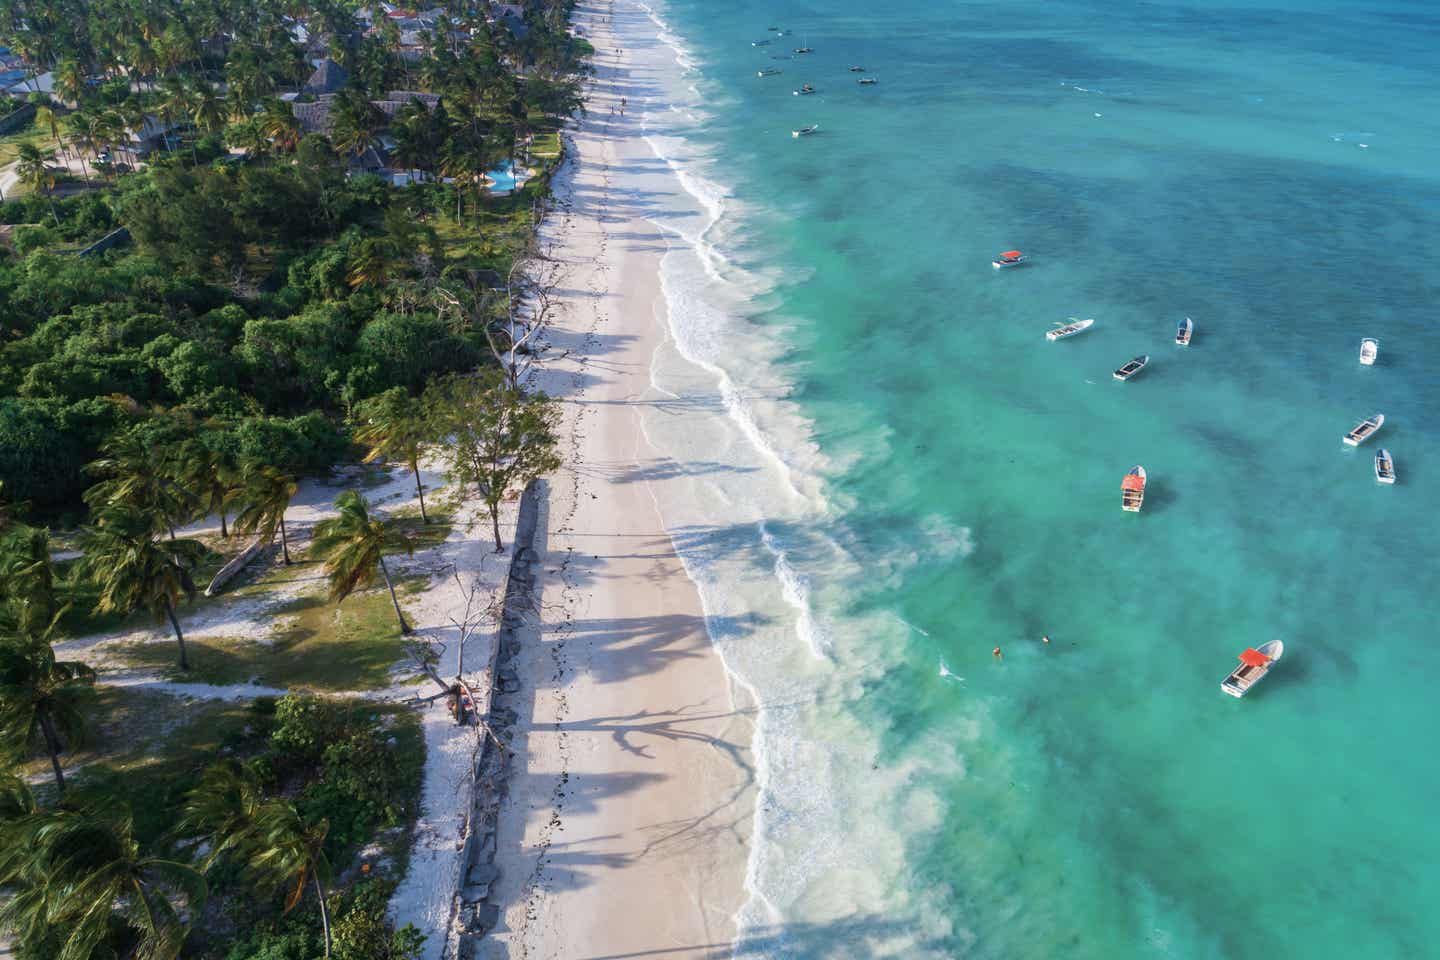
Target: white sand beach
x: 630, y: 794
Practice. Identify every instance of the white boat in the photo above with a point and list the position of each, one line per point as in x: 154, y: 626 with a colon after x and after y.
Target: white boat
x: 1010, y: 258
x: 767, y: 72
x: 804, y: 91
x: 803, y: 50
x: 1384, y: 466
x: 805, y: 131
x: 1369, y: 350
x: 759, y: 43
x: 868, y: 81
x: 1132, y: 367
x: 1132, y: 489
x: 857, y: 69
x: 1184, y: 332
x: 1070, y: 329
x: 1254, y: 664
x: 1365, y: 429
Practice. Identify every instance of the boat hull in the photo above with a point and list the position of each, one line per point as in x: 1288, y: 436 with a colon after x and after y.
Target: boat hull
x: 1242, y: 679
x: 1384, y: 467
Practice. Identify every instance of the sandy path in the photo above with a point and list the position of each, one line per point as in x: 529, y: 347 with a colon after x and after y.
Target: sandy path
x: 630, y: 795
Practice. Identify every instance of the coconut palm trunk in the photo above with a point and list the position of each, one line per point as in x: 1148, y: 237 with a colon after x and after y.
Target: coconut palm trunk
x: 385, y: 572
x: 52, y: 746
x: 419, y: 490
x: 324, y: 911
x: 284, y: 542
x: 179, y: 635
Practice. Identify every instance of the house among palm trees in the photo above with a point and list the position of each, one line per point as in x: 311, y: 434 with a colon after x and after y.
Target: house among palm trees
x: 329, y: 78
x: 156, y: 133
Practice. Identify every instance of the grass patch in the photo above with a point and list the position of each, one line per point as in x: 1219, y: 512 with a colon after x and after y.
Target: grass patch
x: 322, y: 647
x: 546, y: 146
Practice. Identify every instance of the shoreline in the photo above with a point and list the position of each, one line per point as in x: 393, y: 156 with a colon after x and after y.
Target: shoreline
x: 631, y: 777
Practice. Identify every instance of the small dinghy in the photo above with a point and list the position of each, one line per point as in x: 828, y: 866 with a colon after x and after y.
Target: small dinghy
x: 868, y: 81
x: 805, y: 131
x: 857, y: 69
x: 1010, y: 258
x: 1369, y: 350
x: 1184, y: 332
x: 1132, y: 489
x: 760, y: 43
x: 1365, y: 429
x: 1129, y: 370
x: 1254, y: 664
x: 768, y: 72
x: 1070, y: 329
x: 804, y: 91
x: 803, y: 50
x: 1384, y: 466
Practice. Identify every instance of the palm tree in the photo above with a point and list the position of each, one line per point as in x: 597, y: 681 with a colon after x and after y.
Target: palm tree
x: 34, y: 170
x: 265, y: 494
x: 291, y: 854
x: 207, y: 113
x: 74, y: 870
x: 41, y: 698
x: 370, y: 264
x: 27, y: 574
x: 208, y: 475
x: 353, y: 545
x: 134, y: 570
x: 279, y: 125
x: 266, y: 838
x: 357, y: 124
x: 221, y: 811
x: 135, y: 477
x: 395, y: 426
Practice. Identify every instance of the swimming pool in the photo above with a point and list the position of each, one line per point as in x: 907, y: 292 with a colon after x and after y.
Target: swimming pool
x: 504, y: 178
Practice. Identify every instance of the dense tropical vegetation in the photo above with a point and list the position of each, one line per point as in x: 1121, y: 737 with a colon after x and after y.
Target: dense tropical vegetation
x: 206, y: 295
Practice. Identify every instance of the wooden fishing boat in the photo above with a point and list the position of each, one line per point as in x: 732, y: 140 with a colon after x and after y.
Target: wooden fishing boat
x: 1369, y: 350
x: 1254, y: 664
x: 1070, y: 329
x: 1010, y: 258
x: 1184, y: 331
x: 1365, y: 429
x: 1132, y: 489
x: 805, y: 131
x: 1384, y: 466
x: 767, y: 72
x: 1132, y: 367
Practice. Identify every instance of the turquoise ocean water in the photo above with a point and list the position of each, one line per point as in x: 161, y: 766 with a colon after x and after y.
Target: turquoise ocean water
x: 912, y: 475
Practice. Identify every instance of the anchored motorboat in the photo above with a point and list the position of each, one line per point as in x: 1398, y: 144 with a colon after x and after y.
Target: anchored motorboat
x: 804, y: 91
x: 1384, y: 466
x: 1365, y: 429
x: 1132, y: 489
x: 1132, y: 367
x: 868, y: 81
x: 805, y: 131
x: 1075, y: 326
x: 1369, y: 350
x: 1010, y: 258
x: 1254, y: 664
x: 1184, y: 331
x: 767, y: 72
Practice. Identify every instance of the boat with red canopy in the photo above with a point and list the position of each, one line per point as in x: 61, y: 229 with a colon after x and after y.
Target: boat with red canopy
x: 1254, y: 664
x: 1010, y: 258
x: 1132, y: 489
